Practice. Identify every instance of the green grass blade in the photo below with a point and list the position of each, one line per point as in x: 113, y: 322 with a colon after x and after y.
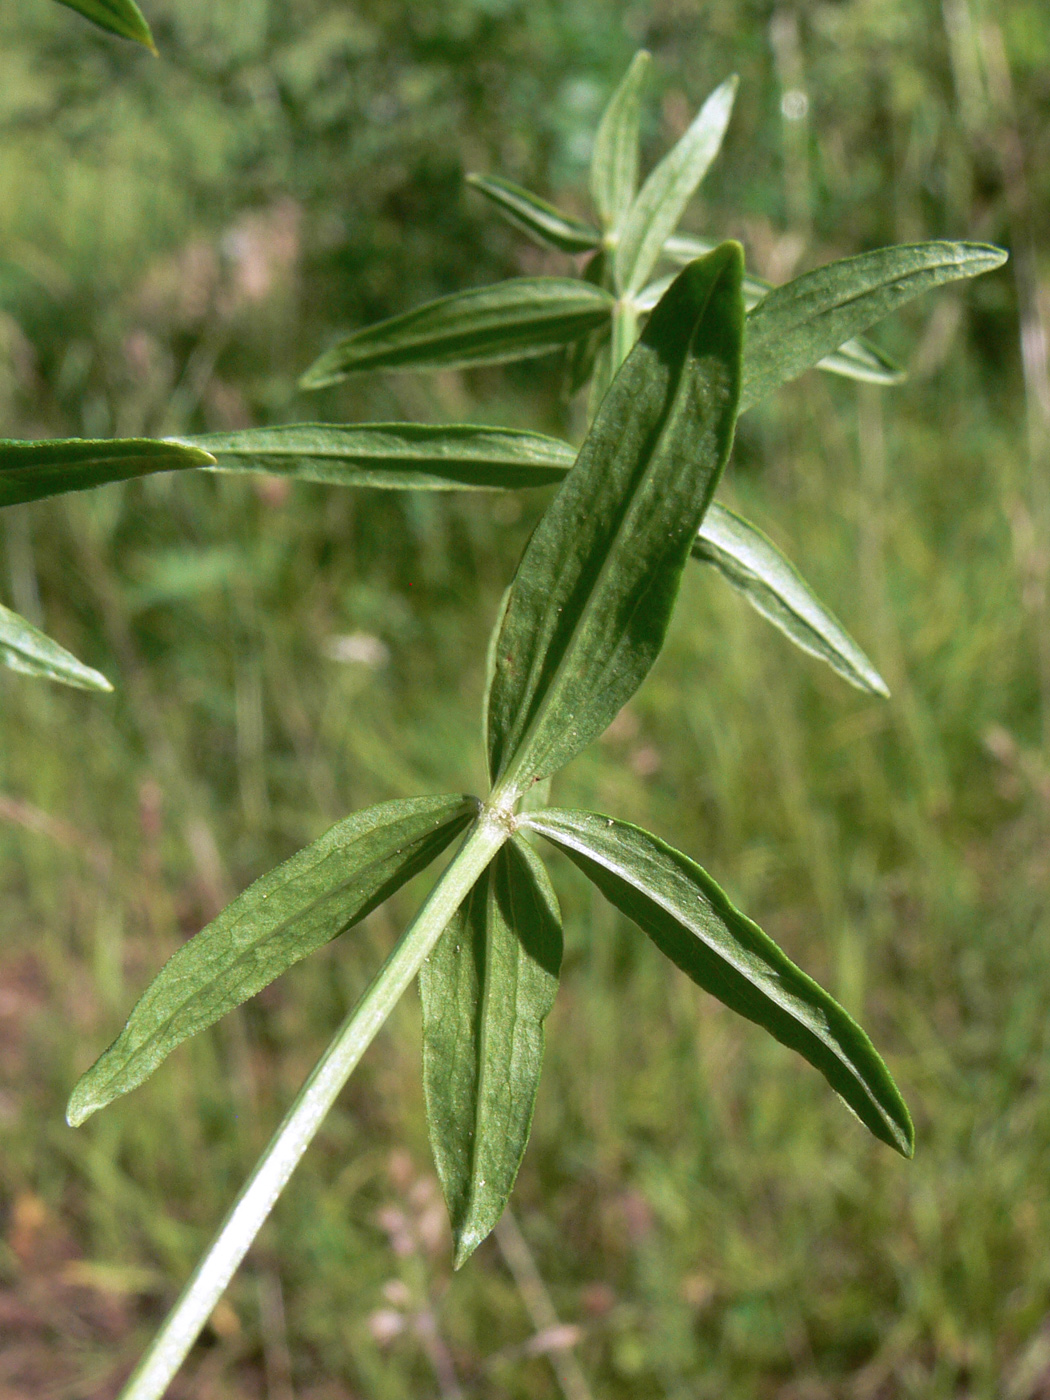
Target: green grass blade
x: 798, y: 324
x: 486, y: 991
x: 393, y: 456
x: 507, y: 321
x: 614, y: 160
x: 30, y: 470
x: 535, y: 216
x: 593, y: 594
x: 299, y: 906
x: 661, y: 201
x: 23, y: 648
x: 690, y: 919
x: 751, y: 562
x: 121, y: 17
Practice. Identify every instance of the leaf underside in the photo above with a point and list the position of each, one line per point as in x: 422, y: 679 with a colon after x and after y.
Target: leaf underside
x: 299, y: 906
x: 121, y: 17
x: 25, y: 649
x: 690, y: 919
x: 31, y: 470
x: 486, y: 991
x: 542, y: 221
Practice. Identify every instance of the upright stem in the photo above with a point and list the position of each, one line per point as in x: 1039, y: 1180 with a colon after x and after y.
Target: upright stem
x: 209, y: 1280
x: 623, y: 334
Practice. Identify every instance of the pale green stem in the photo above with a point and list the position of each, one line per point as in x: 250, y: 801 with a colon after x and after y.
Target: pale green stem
x: 260, y: 1192
x: 624, y: 334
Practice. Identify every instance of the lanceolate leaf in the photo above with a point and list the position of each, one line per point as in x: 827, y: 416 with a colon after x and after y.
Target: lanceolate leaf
x: 593, y: 594
x: 751, y: 562
x: 797, y: 324
x: 299, y: 906
x: 509, y: 320
x: 486, y: 991
x: 614, y: 160
x: 662, y: 199
x: 32, y: 470
x: 23, y: 648
x: 538, y: 218
x: 690, y: 919
x: 121, y: 17
x: 393, y: 455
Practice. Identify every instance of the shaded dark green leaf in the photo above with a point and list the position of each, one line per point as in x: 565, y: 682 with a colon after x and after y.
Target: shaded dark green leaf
x: 535, y: 216
x: 299, y: 906
x: 121, y: 17
x: 593, y: 594
x: 30, y: 470
x: 507, y: 321
x: 486, y: 991
x: 751, y: 562
x: 614, y: 160
x: 691, y: 920
x: 23, y: 648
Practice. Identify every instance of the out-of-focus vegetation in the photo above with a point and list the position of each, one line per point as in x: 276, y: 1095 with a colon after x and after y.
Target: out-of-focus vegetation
x: 178, y: 239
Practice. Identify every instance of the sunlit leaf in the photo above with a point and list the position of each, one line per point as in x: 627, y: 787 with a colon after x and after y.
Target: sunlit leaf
x: 614, y: 160
x: 798, y: 324
x: 486, y: 990
x: 593, y: 594
x: 507, y: 321
x: 690, y: 919
x: 319, y: 893
x: 751, y: 562
x: 535, y: 216
x: 30, y: 470
x: 121, y: 17
x: 23, y: 648
x: 661, y: 201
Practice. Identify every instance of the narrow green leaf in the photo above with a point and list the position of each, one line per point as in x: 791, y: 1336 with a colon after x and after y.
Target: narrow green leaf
x: 30, y: 470
x: 751, y: 562
x: 614, y: 160
x: 395, y: 456
x: 593, y: 594
x: 24, y: 649
x: 535, y: 216
x: 856, y: 359
x: 662, y: 199
x: 690, y: 919
x: 319, y: 893
x: 798, y: 324
x: 486, y: 991
x: 121, y: 17
x: 507, y: 321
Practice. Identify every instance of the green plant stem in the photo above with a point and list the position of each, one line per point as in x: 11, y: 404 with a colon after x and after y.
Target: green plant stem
x: 624, y: 334
x: 259, y: 1194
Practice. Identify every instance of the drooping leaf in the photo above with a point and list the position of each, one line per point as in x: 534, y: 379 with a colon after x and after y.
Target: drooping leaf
x: 23, y: 648
x: 507, y: 321
x: 690, y: 919
x: 535, y: 216
x: 121, y: 17
x: 751, y: 562
x: 319, y: 893
x: 661, y: 201
x: 798, y: 324
x: 593, y: 594
x: 614, y: 160
x: 395, y: 456
x: 30, y: 470
x: 486, y: 990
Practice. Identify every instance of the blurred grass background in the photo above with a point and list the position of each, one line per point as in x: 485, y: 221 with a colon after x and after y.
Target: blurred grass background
x: 178, y: 239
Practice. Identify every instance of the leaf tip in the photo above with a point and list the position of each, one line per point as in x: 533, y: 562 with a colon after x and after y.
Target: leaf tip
x: 466, y: 1242
x: 80, y: 1106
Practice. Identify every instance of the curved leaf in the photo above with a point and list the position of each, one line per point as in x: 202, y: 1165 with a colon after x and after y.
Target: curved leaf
x: 690, y: 919
x: 662, y: 199
x: 23, y: 648
x: 507, y: 321
x: 535, y: 216
x: 486, y: 991
x: 798, y: 324
x: 614, y: 159
x: 121, y: 17
x: 751, y: 562
x: 319, y: 893
x: 593, y: 594
x: 30, y: 470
